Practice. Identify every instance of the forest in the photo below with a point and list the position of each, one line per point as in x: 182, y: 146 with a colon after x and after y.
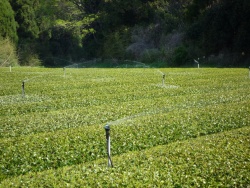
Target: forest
x: 160, y: 33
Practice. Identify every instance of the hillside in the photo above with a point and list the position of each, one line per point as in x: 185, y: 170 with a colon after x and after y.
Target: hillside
x: 160, y: 33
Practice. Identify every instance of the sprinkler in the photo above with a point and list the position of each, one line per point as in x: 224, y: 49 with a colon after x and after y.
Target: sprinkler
x: 107, y: 129
x: 249, y: 71
x: 197, y: 62
x: 163, y: 79
x: 23, y: 91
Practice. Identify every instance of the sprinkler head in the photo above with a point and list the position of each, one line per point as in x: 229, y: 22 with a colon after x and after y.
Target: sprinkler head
x: 106, y: 127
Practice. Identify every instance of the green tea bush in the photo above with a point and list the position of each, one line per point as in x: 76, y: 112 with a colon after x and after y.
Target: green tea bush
x: 60, y: 120
x: 211, y: 161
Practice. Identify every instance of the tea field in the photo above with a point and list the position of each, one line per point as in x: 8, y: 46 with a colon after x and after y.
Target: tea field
x: 191, y: 129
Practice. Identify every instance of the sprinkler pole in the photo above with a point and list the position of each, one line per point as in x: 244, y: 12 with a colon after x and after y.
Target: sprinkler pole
x: 107, y: 129
x: 64, y: 71
x: 23, y: 91
x: 249, y: 71
x: 163, y: 79
x: 198, y: 64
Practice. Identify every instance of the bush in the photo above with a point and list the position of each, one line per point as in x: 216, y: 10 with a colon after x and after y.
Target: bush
x: 228, y: 60
x: 28, y: 55
x: 150, y: 56
x: 180, y: 56
x: 115, y: 44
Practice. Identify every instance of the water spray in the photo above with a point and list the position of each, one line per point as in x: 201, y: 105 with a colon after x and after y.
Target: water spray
x: 162, y: 73
x: 23, y: 84
x: 107, y: 129
x: 163, y: 77
x: 32, y: 78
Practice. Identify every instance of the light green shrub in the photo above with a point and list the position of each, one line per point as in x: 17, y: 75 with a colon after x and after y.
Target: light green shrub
x: 8, y: 54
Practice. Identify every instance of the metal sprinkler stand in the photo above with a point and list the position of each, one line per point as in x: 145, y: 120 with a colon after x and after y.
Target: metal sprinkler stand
x: 198, y: 64
x: 107, y: 129
x: 249, y: 71
x: 163, y: 79
x: 23, y: 91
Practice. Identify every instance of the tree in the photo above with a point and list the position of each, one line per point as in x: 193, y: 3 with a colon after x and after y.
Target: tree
x: 63, y: 25
x: 26, y: 18
x: 197, y: 8
x: 219, y: 25
x: 89, y: 6
x: 8, y: 25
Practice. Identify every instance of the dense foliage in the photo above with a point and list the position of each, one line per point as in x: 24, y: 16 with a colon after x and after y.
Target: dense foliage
x: 227, y: 28
x: 191, y: 130
x: 8, y: 24
x: 193, y: 163
x: 165, y: 32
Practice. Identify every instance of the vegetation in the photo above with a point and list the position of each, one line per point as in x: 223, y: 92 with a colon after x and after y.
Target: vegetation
x: 8, y: 24
x: 8, y: 55
x: 191, y: 130
x: 166, y: 33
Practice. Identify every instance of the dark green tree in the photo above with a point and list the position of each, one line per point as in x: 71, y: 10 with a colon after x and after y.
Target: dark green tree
x: 8, y: 25
x: 113, y: 23
x: 26, y: 18
x: 63, y: 24
x: 89, y: 6
x: 219, y: 25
